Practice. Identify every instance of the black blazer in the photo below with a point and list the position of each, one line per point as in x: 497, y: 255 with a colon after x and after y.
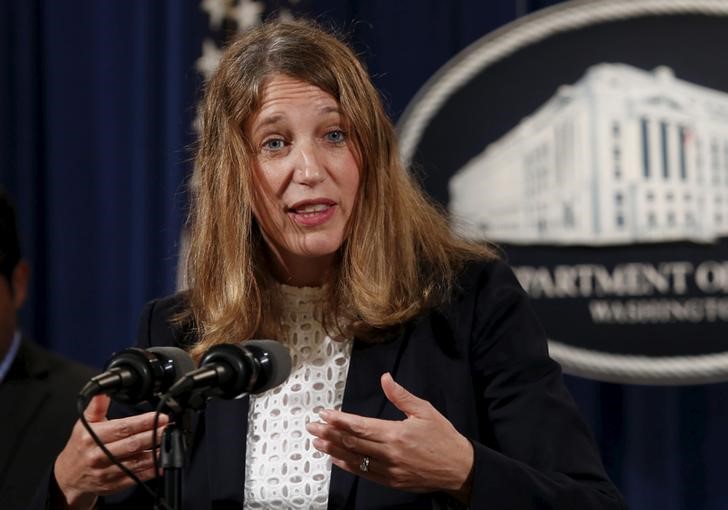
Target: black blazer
x: 481, y: 360
x: 38, y: 399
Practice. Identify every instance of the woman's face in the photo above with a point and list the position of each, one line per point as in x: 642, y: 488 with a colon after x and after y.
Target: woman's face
x: 305, y: 165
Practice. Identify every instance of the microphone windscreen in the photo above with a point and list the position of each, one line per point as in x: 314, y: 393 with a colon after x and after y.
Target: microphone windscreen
x: 276, y: 359
x: 177, y: 359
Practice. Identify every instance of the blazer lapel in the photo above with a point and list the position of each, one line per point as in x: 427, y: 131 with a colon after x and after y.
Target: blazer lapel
x: 21, y: 393
x: 226, y: 430
x: 364, y: 396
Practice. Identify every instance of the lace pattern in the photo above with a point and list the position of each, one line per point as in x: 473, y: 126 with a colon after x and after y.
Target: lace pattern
x: 282, y: 468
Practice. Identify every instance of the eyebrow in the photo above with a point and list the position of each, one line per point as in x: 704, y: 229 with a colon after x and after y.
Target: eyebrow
x: 276, y: 117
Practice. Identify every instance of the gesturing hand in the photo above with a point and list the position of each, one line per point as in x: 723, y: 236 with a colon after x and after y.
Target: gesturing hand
x: 422, y: 453
x: 83, y: 471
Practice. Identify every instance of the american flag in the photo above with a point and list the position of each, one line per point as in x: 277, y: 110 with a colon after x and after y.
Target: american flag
x: 228, y: 17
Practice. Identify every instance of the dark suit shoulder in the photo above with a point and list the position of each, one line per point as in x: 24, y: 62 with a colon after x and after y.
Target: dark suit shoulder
x: 484, y: 285
x: 487, y: 273
x: 489, y: 306
x: 163, y: 322
x: 169, y: 305
x: 39, y: 362
x: 39, y: 396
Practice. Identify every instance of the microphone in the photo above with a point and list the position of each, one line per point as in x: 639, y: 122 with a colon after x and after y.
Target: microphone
x: 231, y: 371
x: 135, y: 375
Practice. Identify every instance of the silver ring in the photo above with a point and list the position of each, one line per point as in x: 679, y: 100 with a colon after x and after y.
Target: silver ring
x: 364, y: 465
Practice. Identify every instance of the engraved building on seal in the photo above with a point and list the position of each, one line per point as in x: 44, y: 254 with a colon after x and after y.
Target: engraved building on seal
x: 622, y: 156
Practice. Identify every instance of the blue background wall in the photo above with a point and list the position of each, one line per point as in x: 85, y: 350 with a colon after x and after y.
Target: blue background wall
x: 97, y: 99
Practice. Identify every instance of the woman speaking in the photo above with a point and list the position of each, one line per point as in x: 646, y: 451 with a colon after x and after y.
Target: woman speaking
x: 421, y: 377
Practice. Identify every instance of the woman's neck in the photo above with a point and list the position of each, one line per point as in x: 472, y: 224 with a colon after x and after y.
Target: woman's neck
x: 303, y: 271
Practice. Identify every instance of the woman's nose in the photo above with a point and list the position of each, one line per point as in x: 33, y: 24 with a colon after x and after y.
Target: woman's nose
x: 308, y: 170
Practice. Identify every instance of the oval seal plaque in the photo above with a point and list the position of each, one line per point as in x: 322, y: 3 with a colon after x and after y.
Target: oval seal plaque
x: 590, y: 141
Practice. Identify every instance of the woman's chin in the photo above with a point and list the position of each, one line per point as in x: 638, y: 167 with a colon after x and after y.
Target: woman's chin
x: 314, y: 246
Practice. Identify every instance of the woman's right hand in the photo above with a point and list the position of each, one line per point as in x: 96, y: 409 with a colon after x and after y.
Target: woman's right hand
x: 83, y: 472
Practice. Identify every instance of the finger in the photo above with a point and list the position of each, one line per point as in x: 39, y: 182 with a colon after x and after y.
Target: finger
x: 119, y: 480
x: 120, y: 428
x: 366, y: 428
x: 113, y: 479
x: 402, y: 399
x: 97, y: 409
x: 335, y: 451
x: 137, y: 463
x: 134, y: 444
x: 148, y: 474
x: 140, y: 462
x: 373, y: 473
x: 346, y: 442
x: 377, y: 468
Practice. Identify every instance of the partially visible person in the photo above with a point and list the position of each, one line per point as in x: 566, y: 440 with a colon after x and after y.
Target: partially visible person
x: 37, y: 388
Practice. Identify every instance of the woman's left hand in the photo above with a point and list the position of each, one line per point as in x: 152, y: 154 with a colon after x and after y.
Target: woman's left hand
x: 423, y: 453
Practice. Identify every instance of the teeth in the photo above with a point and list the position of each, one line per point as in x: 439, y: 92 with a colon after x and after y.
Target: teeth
x: 314, y: 208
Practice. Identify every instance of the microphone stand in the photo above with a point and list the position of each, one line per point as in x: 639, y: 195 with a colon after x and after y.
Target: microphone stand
x: 173, y: 452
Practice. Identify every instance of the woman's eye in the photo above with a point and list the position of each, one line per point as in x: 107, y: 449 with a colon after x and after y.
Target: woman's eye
x: 274, y: 144
x: 336, y: 136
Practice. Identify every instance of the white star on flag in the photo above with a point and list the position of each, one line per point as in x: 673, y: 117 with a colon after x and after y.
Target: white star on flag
x: 285, y: 15
x: 217, y: 10
x: 207, y: 63
x: 247, y: 13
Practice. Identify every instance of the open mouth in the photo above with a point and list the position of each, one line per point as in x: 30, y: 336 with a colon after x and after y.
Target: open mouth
x: 312, y: 213
x: 311, y: 209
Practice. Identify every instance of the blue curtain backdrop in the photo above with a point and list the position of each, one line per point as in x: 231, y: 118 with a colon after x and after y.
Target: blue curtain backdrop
x: 97, y: 99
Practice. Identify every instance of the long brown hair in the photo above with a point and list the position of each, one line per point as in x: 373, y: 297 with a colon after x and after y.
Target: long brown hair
x: 399, y: 257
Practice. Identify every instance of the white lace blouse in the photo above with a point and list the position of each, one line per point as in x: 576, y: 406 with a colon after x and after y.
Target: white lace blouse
x: 282, y: 468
